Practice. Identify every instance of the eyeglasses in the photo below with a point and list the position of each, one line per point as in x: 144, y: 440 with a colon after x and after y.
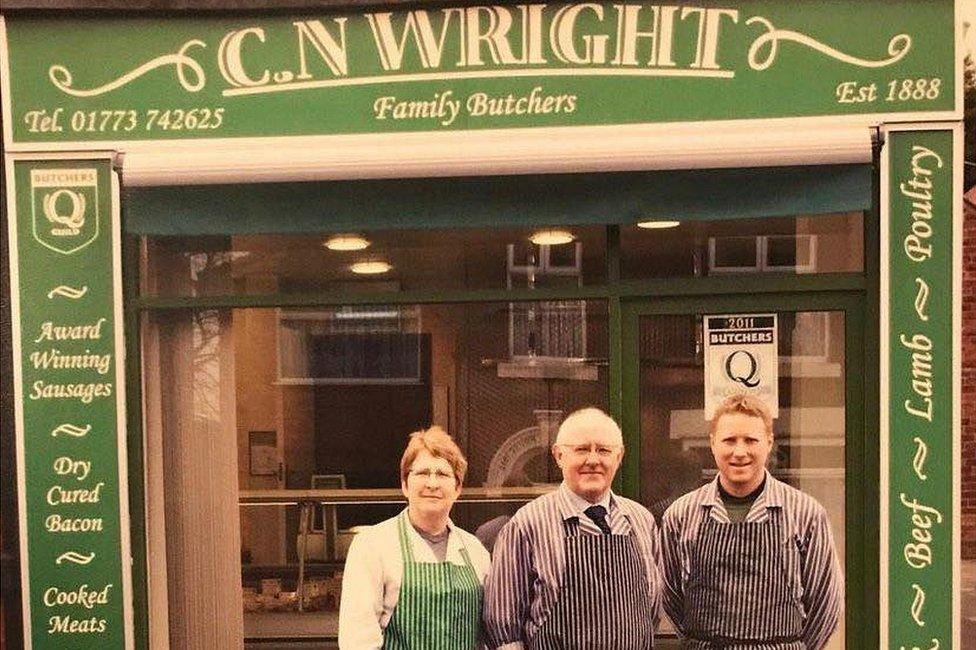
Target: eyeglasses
x: 583, y: 451
x: 437, y: 474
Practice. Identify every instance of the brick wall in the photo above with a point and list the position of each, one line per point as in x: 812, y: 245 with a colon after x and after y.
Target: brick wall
x: 969, y: 377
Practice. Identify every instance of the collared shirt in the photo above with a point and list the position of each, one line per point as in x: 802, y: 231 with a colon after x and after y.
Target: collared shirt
x: 582, y: 504
x: 529, y: 561
x: 373, y: 574
x: 810, y: 558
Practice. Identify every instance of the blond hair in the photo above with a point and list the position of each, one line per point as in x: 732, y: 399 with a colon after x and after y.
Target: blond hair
x: 439, y: 444
x: 746, y: 404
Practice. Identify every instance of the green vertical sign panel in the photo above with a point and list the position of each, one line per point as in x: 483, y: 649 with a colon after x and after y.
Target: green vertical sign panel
x: 920, y: 387
x: 67, y: 355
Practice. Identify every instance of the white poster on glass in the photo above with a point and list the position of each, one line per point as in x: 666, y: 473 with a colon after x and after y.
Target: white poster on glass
x: 741, y: 357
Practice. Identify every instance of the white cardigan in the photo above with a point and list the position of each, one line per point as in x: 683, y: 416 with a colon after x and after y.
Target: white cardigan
x: 373, y: 572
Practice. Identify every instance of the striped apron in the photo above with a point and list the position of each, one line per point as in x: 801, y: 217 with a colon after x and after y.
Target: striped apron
x: 604, y: 601
x: 739, y: 592
x: 439, y: 606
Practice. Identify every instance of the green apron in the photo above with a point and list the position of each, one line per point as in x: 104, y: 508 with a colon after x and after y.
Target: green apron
x: 439, y: 606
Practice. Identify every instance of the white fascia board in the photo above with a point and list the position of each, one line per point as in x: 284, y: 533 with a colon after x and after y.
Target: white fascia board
x: 497, y: 152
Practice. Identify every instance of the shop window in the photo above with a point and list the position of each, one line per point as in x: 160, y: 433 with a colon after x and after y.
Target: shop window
x: 830, y: 243
x: 380, y: 261
x: 245, y: 404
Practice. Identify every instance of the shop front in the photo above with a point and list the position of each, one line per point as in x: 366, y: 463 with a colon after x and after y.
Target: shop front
x: 250, y: 253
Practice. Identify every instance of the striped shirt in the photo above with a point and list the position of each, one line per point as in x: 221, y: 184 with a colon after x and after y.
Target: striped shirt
x: 811, y: 561
x: 529, y: 562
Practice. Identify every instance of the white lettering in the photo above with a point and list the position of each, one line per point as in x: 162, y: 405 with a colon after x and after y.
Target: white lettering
x: 332, y: 52
x: 57, y: 495
x: 918, y: 188
x: 918, y: 555
x: 67, y: 625
x: 51, y: 332
x: 58, y: 524
x: 66, y: 466
x: 660, y: 35
x: 83, y: 595
x: 709, y: 23
x: 562, y: 36
x: 430, y: 49
x: 229, y: 58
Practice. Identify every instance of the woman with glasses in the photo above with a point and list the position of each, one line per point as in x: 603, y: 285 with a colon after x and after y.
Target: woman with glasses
x: 415, y: 581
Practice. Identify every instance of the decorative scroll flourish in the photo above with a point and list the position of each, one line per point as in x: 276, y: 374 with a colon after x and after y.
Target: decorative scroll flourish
x: 67, y: 292
x: 61, y: 77
x: 917, y: 604
x: 921, y: 453
x: 72, y: 430
x: 898, y: 47
x: 75, y: 557
x: 921, y: 299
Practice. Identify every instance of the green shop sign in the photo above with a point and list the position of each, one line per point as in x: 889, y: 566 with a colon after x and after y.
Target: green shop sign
x: 920, y: 408
x: 525, y: 65
x: 67, y: 344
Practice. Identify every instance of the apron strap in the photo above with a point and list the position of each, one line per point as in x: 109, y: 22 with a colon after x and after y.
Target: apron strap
x: 571, y: 526
x: 405, y: 546
x: 464, y: 553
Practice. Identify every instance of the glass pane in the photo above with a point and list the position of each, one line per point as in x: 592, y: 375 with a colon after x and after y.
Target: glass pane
x: 192, y: 515
x: 831, y: 243
x: 324, y: 399
x: 809, y: 434
x: 402, y: 260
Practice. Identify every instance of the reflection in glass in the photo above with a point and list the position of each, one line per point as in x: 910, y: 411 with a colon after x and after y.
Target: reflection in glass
x: 829, y: 243
x: 419, y: 260
x: 324, y: 400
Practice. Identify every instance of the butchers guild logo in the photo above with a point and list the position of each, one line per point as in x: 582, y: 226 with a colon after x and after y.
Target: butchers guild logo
x: 65, y: 208
x: 742, y: 366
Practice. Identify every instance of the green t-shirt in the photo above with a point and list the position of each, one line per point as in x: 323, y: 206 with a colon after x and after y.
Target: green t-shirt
x: 738, y: 507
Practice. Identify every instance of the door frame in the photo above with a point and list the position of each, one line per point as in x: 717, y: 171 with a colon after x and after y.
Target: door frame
x: 860, y: 524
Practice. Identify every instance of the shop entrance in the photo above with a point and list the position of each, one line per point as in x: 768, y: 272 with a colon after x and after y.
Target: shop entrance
x: 819, y: 430
x: 269, y: 353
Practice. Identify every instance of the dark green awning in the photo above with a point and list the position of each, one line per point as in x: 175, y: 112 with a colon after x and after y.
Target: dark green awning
x: 495, y: 201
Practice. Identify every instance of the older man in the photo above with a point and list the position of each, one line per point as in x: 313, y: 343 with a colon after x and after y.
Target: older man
x: 750, y: 561
x: 579, y: 567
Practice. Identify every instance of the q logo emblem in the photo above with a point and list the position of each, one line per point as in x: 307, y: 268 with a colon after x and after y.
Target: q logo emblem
x: 741, y: 366
x: 70, y: 224
x: 65, y: 208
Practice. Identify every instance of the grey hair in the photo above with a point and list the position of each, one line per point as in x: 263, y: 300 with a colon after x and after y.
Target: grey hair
x: 588, y: 418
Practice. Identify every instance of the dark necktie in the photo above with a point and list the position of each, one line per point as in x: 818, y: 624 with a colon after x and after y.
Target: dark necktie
x: 599, y: 516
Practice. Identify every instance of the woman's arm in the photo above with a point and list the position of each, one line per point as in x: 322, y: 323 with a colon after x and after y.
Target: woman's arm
x: 361, y: 605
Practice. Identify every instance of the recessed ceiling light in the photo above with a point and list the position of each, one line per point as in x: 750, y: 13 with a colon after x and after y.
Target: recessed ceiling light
x: 551, y: 237
x: 658, y: 225
x: 346, y: 243
x: 370, y: 268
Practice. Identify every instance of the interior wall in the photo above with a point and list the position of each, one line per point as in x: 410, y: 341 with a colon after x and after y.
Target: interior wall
x: 443, y: 323
x: 258, y: 409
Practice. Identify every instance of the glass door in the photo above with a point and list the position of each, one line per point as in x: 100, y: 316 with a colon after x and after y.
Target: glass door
x: 818, y: 374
